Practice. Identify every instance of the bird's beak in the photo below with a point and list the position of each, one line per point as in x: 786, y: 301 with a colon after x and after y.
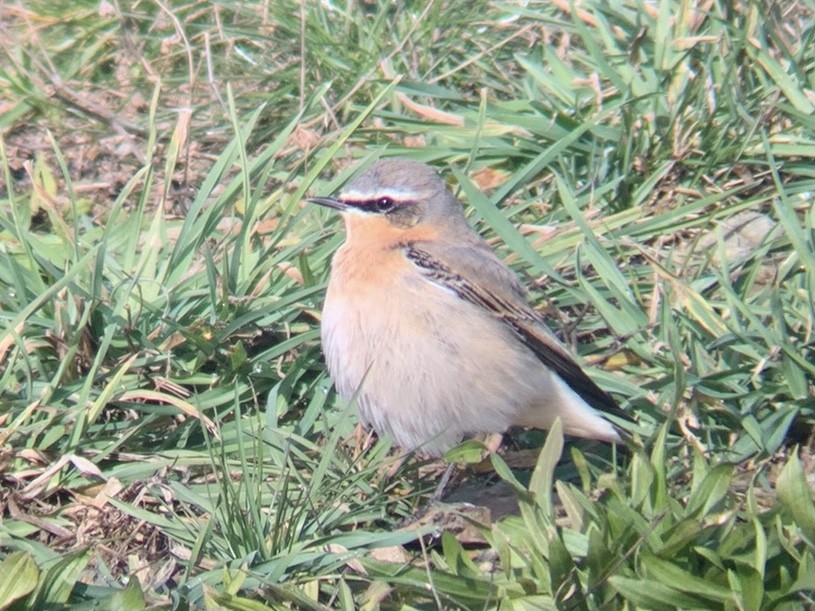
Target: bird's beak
x: 328, y: 202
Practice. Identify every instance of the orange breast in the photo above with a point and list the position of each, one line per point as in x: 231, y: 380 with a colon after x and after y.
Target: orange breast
x: 372, y: 256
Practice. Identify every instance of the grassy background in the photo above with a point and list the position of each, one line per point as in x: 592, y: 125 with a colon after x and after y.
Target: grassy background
x: 168, y: 437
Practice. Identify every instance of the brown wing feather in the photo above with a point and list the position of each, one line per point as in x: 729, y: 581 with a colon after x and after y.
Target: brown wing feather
x: 517, y: 315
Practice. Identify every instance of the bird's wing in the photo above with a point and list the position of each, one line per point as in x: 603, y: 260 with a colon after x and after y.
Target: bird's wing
x: 481, y: 279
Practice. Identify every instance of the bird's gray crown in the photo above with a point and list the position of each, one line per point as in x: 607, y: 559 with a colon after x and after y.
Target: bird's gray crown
x: 400, y: 179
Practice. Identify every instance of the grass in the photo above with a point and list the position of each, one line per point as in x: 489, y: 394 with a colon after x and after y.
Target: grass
x: 168, y: 434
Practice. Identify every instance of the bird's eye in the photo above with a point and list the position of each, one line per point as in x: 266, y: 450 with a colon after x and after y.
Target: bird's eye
x: 384, y: 204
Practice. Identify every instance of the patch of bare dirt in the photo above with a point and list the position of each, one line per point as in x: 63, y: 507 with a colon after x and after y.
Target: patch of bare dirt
x: 91, y: 519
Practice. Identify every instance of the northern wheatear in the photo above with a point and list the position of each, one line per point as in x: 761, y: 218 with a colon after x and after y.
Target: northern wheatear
x: 432, y: 332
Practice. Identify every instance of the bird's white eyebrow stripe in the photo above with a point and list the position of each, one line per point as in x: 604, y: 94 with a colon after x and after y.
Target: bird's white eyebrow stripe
x: 399, y: 195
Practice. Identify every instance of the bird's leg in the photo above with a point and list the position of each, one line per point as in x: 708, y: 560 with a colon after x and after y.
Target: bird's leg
x: 441, y: 488
x: 391, y: 469
x: 363, y: 439
x: 491, y: 442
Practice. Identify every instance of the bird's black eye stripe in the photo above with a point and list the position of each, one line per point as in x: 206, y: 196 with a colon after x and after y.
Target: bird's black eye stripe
x: 382, y: 204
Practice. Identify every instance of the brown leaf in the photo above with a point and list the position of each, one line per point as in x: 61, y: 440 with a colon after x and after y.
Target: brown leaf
x: 489, y: 178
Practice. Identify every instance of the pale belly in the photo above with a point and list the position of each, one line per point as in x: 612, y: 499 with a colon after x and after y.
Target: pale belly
x: 426, y: 367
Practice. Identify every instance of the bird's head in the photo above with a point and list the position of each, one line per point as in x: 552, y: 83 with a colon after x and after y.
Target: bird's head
x: 396, y: 195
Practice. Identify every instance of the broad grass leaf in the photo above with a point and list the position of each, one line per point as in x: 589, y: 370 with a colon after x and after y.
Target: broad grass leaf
x: 18, y: 577
x: 796, y: 497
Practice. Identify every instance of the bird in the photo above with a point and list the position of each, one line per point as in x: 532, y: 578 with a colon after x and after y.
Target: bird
x: 431, y: 333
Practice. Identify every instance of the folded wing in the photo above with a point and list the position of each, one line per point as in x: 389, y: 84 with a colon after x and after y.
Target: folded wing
x: 498, y: 292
